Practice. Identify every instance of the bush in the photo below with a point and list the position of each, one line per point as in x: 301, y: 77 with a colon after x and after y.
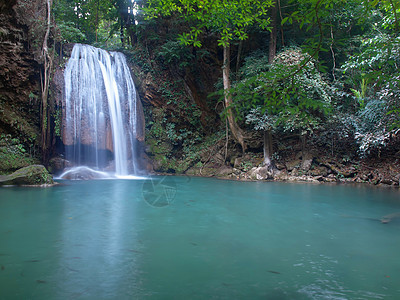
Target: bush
x: 290, y: 93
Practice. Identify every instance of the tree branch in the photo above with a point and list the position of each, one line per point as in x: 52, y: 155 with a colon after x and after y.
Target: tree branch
x: 396, y: 25
x: 302, y: 66
x: 333, y: 56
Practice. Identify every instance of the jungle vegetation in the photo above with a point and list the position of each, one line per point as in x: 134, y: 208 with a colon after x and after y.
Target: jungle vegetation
x: 325, y: 70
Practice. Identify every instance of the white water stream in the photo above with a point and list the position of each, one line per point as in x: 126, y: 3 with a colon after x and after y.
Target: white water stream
x: 100, y: 111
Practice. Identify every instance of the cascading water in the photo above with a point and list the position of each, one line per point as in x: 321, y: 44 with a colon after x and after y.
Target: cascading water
x: 100, y: 111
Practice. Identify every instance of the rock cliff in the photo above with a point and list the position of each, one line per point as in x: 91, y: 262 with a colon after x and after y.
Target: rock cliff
x: 20, y: 33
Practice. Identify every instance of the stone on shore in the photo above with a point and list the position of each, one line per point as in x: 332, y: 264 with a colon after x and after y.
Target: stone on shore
x: 31, y: 175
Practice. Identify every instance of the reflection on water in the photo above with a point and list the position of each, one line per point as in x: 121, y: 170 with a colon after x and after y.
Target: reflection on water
x: 97, y: 244
x: 106, y: 239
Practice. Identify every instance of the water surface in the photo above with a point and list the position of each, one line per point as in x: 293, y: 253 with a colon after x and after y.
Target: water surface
x: 198, y: 238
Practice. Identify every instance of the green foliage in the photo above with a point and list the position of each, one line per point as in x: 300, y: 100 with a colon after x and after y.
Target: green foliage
x: 360, y: 95
x: 260, y: 120
x: 378, y: 55
x: 373, y: 128
x: 228, y: 19
x: 274, y: 100
x: 246, y: 166
x: 176, y: 148
x: 57, y: 117
x: 13, y: 154
x: 167, y: 141
x: 108, y: 36
x: 69, y: 33
x: 94, y: 21
x: 254, y: 64
x: 174, y: 53
x: 33, y: 97
x: 376, y: 64
x: 174, y: 93
x: 141, y: 58
x: 357, y: 40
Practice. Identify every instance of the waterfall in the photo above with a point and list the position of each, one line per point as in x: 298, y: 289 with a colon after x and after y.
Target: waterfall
x: 100, y: 111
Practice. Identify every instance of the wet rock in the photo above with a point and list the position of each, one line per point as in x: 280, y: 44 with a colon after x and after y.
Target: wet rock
x: 193, y: 171
x: 386, y: 181
x: 237, y: 162
x: 302, y: 178
x: 319, y: 171
x: 319, y: 178
x: 224, y: 171
x: 31, y: 175
x: 338, y: 168
x: 281, y: 176
x: 84, y: 173
x: 261, y: 173
x: 218, y: 158
x: 207, y: 171
x: 279, y: 166
x: 146, y: 164
x: 396, y: 179
x: 236, y: 171
x: 295, y: 172
x: 290, y: 165
x: 254, y: 139
x: 330, y: 178
x: 247, y: 161
x: 307, y: 161
x: 57, y: 164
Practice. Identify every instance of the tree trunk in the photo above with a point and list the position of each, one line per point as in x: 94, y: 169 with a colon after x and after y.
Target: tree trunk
x: 267, y: 148
x: 271, y: 55
x: 306, y: 156
x: 273, y: 35
x: 235, y: 129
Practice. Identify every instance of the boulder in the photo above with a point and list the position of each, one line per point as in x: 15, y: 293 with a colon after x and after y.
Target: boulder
x: 31, y: 175
x: 84, y: 173
x: 306, y: 162
x: 58, y: 164
x: 386, y: 181
x: 319, y: 171
x: 281, y: 176
x: 224, y: 171
x: 261, y: 173
x: 292, y: 164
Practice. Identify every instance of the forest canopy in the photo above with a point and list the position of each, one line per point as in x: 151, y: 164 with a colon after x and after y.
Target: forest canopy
x: 326, y: 66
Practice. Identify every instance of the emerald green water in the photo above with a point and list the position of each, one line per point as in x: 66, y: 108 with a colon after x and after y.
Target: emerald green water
x: 198, y: 238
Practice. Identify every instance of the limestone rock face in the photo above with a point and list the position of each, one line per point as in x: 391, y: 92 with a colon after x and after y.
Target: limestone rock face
x: 20, y: 67
x: 31, y: 175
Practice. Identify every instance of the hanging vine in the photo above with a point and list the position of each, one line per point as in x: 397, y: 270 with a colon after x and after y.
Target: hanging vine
x: 45, y: 83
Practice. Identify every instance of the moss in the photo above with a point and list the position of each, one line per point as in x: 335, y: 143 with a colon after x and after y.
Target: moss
x: 13, y: 155
x: 20, y: 122
x: 30, y: 175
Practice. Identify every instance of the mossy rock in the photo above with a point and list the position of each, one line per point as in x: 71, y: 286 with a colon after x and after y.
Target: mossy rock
x: 31, y: 175
x: 13, y: 155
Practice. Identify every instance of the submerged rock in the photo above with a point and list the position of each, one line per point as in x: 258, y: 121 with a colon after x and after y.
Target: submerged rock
x: 84, y: 173
x: 31, y: 175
